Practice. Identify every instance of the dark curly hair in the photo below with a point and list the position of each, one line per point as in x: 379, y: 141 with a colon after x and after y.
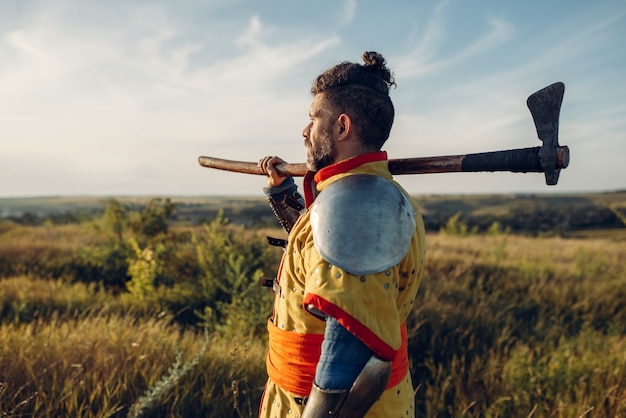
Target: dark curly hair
x: 362, y: 92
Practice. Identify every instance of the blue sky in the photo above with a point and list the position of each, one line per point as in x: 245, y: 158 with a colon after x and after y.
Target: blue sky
x: 121, y: 97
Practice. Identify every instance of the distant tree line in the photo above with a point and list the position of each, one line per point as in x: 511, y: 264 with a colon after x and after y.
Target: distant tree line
x: 529, y: 215
x: 527, y: 219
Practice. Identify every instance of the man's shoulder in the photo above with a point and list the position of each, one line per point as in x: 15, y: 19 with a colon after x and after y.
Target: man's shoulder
x: 362, y: 223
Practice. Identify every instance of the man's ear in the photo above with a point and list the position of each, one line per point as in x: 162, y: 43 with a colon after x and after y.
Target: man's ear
x: 344, y: 126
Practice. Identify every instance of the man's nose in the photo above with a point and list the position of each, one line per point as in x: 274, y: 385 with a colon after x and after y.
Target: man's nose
x: 306, y: 131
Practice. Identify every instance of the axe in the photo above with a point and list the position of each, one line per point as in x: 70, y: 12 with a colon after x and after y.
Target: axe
x: 549, y: 158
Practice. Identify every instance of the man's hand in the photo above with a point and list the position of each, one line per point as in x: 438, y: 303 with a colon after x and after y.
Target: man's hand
x: 267, y: 164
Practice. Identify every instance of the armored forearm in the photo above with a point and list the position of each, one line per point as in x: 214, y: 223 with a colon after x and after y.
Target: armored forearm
x: 349, y: 379
x: 286, y: 203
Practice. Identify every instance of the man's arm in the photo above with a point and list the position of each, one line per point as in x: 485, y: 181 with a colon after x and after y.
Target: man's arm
x: 349, y: 378
x: 282, y: 194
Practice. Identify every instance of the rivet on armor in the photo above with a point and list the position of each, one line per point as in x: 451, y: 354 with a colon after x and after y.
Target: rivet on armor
x: 338, y: 275
x: 388, y: 273
x: 363, y: 278
x: 386, y: 285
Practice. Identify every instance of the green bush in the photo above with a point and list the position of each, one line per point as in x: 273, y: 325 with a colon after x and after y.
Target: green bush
x: 231, y: 269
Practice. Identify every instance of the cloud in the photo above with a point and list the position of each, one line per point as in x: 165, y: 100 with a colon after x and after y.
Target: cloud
x: 467, y: 107
x: 114, y: 102
x: 429, y: 58
x: 349, y: 11
x: 418, y: 61
x: 125, y: 95
x: 19, y: 40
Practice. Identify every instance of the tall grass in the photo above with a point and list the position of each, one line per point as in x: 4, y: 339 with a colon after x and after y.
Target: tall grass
x: 503, y: 326
x: 42, y: 250
x: 102, y: 365
x: 509, y: 326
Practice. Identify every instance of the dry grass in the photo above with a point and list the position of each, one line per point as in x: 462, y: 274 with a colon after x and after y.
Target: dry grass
x: 99, y: 365
x: 504, y: 326
x: 515, y: 326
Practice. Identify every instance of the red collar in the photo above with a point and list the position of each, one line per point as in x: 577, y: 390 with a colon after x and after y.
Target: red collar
x: 311, y: 178
x: 349, y: 164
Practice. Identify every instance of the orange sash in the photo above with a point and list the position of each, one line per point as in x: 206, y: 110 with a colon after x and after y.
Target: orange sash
x: 293, y: 357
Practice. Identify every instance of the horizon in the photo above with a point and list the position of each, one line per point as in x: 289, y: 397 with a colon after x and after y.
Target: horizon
x: 261, y: 196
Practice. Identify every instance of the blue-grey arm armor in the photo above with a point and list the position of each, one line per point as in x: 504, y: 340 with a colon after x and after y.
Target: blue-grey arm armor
x: 349, y: 378
x: 286, y: 202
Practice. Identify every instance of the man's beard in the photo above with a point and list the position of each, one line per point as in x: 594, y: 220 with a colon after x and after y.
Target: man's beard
x: 322, y: 156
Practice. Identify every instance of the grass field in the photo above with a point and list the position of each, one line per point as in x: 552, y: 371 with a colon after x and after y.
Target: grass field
x: 505, y: 325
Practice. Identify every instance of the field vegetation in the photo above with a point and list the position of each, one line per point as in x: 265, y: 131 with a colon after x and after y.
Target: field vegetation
x: 153, y: 308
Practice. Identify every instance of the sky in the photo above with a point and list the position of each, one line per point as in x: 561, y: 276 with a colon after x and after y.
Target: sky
x: 122, y: 97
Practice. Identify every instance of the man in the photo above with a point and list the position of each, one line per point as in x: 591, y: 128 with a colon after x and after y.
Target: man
x: 352, y: 262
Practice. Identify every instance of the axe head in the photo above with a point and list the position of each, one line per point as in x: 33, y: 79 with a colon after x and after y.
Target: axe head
x: 545, y: 107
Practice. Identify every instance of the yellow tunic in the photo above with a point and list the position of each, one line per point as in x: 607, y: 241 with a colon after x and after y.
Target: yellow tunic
x: 374, y: 307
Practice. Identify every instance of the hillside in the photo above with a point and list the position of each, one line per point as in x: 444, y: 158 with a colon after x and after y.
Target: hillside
x: 579, y: 214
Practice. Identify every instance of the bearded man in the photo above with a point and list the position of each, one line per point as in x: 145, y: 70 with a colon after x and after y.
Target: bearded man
x: 352, y: 263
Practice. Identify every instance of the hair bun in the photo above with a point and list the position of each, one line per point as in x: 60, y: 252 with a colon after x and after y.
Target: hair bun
x: 375, y: 63
x: 373, y: 74
x: 373, y: 59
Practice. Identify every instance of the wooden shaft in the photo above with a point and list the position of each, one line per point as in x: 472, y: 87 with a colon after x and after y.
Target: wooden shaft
x: 517, y: 160
x: 285, y: 170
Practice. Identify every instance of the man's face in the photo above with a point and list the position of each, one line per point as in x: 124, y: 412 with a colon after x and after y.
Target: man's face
x: 318, y: 136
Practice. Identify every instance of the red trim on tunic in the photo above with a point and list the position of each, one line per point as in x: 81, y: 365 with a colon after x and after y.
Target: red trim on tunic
x: 400, y: 365
x: 369, y: 338
x: 308, y: 185
x: 311, y: 178
x: 349, y: 164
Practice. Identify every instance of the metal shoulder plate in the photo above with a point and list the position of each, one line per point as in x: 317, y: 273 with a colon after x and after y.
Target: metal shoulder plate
x: 362, y: 224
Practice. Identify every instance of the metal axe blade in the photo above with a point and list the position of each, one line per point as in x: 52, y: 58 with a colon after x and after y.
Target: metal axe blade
x: 545, y: 107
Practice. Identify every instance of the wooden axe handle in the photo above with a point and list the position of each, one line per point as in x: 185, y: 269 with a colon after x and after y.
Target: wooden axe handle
x: 521, y: 160
x: 285, y: 170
